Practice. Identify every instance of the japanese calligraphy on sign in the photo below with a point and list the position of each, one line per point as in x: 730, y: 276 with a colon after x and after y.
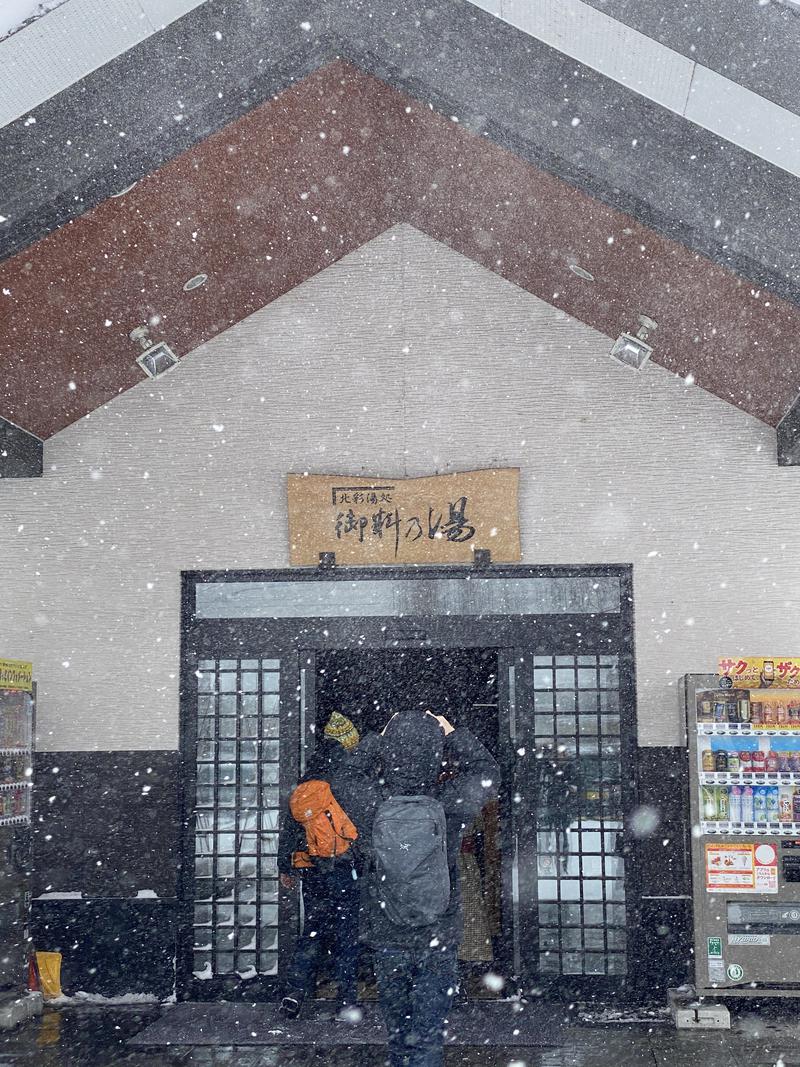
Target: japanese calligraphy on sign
x: 442, y: 519
x: 16, y: 674
x: 758, y: 672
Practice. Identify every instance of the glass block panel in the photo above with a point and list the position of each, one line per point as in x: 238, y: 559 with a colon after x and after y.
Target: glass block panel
x: 230, y: 868
x: 565, y: 701
x: 205, y: 682
x: 542, y: 678
x: 206, y: 704
x: 587, y: 702
x: 543, y: 703
x: 615, y: 915
x: 594, y: 938
x: 594, y: 963
x: 548, y: 938
x: 224, y: 963
x: 247, y: 890
x: 565, y: 679
x: 268, y: 963
x: 248, y: 773
x: 571, y: 915
x: 572, y: 938
x: 270, y: 750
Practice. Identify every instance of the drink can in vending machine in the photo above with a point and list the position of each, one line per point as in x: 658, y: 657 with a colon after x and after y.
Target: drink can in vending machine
x: 723, y: 803
x: 745, y: 761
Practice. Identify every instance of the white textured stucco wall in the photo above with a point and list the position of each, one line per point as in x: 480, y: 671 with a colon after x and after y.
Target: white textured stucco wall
x: 403, y: 359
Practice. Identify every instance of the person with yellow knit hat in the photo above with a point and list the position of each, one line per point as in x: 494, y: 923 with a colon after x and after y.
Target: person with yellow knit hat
x: 331, y: 888
x: 340, y: 728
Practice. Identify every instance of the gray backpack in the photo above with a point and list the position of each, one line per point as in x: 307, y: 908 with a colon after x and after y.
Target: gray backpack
x: 409, y: 847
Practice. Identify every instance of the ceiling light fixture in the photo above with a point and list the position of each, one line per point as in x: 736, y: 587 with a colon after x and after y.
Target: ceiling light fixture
x: 581, y: 272
x: 195, y: 283
x: 155, y: 358
x: 631, y: 349
x: 123, y: 192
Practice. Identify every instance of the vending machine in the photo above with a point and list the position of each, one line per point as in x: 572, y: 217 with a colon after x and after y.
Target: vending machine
x: 743, y: 732
x: 16, y: 786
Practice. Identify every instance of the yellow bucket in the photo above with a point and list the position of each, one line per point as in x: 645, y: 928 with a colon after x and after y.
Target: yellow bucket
x: 48, y: 965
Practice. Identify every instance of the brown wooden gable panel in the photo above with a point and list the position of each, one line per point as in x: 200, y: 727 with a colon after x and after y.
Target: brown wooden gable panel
x: 267, y: 202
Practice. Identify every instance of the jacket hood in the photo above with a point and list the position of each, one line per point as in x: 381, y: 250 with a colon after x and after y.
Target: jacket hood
x: 413, y: 746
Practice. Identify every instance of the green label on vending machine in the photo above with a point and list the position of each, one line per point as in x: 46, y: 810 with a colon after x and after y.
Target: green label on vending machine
x: 714, y: 947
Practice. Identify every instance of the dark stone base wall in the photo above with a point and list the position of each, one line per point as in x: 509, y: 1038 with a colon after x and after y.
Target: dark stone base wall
x: 660, y: 937
x: 107, y: 824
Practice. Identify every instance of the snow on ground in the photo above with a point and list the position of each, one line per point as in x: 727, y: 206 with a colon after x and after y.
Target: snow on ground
x: 96, y: 998
x: 14, y: 14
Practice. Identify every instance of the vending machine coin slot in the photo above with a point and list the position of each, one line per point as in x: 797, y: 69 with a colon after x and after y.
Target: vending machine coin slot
x: 790, y: 867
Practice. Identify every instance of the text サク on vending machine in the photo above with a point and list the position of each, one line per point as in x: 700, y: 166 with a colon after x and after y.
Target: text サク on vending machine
x: 743, y: 732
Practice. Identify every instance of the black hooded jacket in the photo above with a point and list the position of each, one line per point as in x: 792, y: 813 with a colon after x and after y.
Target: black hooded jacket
x: 414, y: 758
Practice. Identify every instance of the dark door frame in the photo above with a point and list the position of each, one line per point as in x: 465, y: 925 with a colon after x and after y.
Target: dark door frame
x: 293, y: 638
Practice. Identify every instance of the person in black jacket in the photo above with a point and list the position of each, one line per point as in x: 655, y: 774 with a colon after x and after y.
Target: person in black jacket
x: 331, y: 891
x: 421, y: 753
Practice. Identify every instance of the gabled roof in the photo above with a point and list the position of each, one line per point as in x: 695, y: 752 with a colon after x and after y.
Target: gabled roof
x: 315, y: 170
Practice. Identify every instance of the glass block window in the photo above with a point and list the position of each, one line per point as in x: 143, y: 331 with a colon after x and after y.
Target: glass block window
x: 580, y: 869
x: 236, y: 818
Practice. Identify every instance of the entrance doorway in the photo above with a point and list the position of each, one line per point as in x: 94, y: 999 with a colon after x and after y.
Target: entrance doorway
x: 537, y: 662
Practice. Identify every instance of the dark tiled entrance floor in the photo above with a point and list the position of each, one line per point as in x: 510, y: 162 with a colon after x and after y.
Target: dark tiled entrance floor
x: 99, y: 1037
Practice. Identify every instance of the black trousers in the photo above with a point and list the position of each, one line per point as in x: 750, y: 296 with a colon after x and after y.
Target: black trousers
x: 331, y: 900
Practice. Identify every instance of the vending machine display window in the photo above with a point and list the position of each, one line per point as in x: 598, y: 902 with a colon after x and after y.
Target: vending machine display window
x: 16, y: 753
x: 744, y: 773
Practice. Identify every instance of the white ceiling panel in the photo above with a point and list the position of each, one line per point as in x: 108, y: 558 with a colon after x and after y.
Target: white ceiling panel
x: 59, y: 49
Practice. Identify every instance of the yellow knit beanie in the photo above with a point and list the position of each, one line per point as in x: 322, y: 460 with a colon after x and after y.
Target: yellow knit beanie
x: 340, y: 729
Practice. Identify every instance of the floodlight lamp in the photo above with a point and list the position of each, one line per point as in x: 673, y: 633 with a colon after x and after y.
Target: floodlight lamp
x: 632, y: 350
x: 155, y: 358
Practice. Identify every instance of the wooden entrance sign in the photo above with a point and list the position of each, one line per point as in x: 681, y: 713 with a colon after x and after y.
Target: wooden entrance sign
x: 368, y: 521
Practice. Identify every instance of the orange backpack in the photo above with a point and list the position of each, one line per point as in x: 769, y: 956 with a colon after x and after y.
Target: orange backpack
x: 329, y: 832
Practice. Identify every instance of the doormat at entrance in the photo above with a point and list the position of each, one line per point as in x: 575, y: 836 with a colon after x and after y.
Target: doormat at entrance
x: 475, y: 1025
